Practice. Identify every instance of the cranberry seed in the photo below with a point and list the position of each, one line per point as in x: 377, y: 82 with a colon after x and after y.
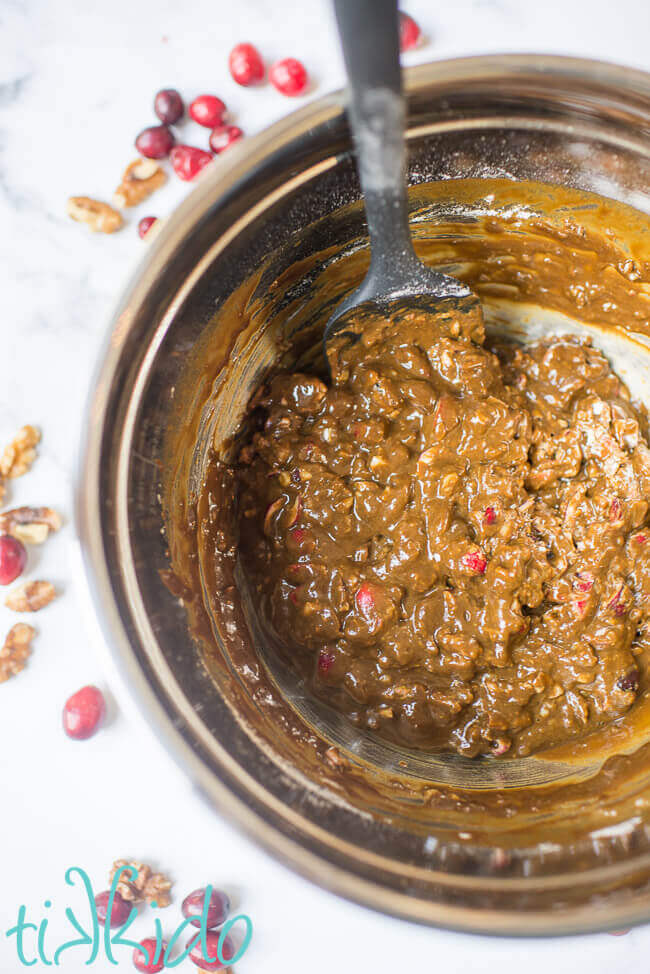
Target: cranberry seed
x: 13, y: 558
x: 168, y: 106
x: 289, y: 77
x: 83, y: 713
x: 155, y: 142
x: 246, y: 65
x: 207, y: 110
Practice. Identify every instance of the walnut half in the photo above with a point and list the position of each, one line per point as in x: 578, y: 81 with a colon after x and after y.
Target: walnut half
x: 31, y: 525
x: 147, y: 885
x: 30, y: 596
x: 16, y: 649
x: 99, y: 216
x: 141, y: 178
x: 20, y: 454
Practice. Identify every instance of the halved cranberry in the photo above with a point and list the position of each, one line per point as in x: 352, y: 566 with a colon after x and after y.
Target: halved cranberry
x: 13, y: 558
x: 617, y: 605
x: 212, y: 962
x: 289, y: 76
x: 207, y: 110
x: 583, y: 582
x: 144, y: 959
x: 409, y: 32
x: 365, y: 598
x: 293, y: 594
x: 119, y: 914
x: 83, y: 713
x: 325, y: 661
x: 490, y: 515
x: 615, y: 510
x: 223, y: 136
x: 218, y: 907
x: 168, y: 106
x: 187, y: 161
x: 145, y: 225
x: 155, y: 142
x: 629, y: 681
x: 474, y: 561
x: 246, y: 65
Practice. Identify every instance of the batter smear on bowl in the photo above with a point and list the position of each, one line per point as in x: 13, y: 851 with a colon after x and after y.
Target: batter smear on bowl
x: 451, y: 539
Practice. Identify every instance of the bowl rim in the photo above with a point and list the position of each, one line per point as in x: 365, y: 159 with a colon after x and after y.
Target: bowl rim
x: 214, y: 183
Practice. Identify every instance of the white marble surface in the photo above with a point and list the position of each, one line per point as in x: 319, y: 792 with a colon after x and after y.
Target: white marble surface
x: 76, y: 82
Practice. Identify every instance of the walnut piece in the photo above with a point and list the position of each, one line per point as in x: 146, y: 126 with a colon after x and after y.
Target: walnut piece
x: 16, y: 649
x: 147, y: 885
x: 99, y: 216
x: 20, y: 454
x: 31, y: 525
x: 30, y: 596
x: 141, y: 178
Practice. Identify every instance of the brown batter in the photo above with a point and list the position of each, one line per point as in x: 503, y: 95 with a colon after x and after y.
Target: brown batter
x: 452, y: 539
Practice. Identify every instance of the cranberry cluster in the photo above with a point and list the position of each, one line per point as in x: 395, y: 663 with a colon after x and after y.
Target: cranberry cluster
x: 149, y: 958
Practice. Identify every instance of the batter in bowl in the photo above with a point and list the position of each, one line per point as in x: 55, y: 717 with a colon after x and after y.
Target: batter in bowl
x: 450, y: 541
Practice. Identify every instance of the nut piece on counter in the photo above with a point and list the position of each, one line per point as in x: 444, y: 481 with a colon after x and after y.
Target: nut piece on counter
x: 31, y: 525
x: 99, y: 216
x: 141, y: 178
x: 30, y: 596
x: 16, y: 649
x: 148, y: 885
x: 20, y: 454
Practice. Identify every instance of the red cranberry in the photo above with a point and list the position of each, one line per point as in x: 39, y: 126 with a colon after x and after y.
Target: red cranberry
x: 187, y: 161
x: 474, y: 561
x: 490, y: 515
x: 365, y: 598
x: 168, y: 106
x: 410, y: 34
x: 83, y: 713
x: 224, y: 135
x: 208, y: 110
x: 155, y: 142
x: 144, y: 959
x: 119, y: 914
x: 211, y: 941
x: 145, y: 225
x: 325, y: 661
x: 246, y: 65
x: 13, y: 558
x: 289, y: 77
x: 218, y: 907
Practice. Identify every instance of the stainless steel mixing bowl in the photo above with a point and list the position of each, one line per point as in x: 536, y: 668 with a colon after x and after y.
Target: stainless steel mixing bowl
x: 269, y: 204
